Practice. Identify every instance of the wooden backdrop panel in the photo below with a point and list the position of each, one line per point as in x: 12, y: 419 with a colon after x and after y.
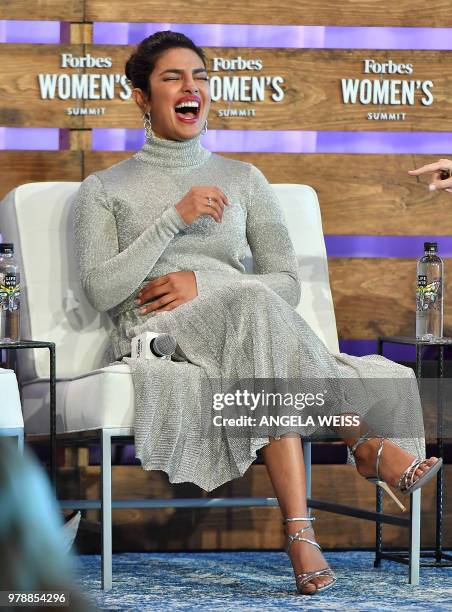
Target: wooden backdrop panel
x: 374, y: 297
x: 299, y: 12
x: 312, y: 99
x: 358, y: 194
x: 363, y: 194
x: 236, y: 528
x: 19, y: 167
x: 21, y: 104
x: 43, y: 10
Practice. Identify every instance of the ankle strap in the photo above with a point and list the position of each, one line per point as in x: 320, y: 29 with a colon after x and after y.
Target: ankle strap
x: 291, y: 537
x: 300, y: 518
x: 364, y: 438
x: 359, y: 441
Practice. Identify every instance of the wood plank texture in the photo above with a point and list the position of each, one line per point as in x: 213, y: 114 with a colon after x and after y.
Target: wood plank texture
x: 19, y: 167
x: 236, y: 528
x: 81, y: 33
x: 299, y: 12
x: 363, y: 194
x: 21, y: 104
x: 375, y: 297
x: 43, y: 10
x: 358, y: 194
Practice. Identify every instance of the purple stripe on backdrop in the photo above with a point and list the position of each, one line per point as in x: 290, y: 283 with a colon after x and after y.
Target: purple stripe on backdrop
x: 311, y: 37
x: 396, y: 352
x: 249, y: 141
x: 385, y: 246
x: 292, y: 141
x: 36, y: 139
x: 233, y: 35
x: 43, y: 32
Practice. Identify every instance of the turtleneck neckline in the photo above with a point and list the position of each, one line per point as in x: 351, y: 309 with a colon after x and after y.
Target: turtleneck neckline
x: 173, y: 153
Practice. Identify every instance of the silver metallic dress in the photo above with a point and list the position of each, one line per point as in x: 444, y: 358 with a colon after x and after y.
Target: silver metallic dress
x: 240, y: 327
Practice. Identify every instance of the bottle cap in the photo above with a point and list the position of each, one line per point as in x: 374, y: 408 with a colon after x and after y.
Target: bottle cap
x: 6, y: 247
x: 432, y: 247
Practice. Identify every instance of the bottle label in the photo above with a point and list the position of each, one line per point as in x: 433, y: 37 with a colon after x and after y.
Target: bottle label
x: 9, y: 292
x: 422, y: 280
x: 428, y: 294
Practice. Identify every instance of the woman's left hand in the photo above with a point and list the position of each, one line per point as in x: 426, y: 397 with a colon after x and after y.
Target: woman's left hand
x: 167, y: 292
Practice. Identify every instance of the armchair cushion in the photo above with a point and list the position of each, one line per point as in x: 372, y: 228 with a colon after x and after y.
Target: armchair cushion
x: 10, y: 409
x: 102, y: 398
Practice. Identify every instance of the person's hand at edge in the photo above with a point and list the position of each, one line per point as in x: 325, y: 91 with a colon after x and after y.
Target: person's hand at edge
x: 441, y: 174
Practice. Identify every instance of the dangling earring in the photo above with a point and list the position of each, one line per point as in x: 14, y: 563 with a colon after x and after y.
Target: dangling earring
x: 204, y: 129
x: 147, y: 125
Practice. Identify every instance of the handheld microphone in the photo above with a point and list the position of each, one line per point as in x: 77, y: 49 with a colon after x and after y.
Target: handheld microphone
x: 151, y: 345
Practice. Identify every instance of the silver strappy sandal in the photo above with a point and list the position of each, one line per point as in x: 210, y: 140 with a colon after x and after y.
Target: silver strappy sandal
x: 305, y: 577
x: 407, y: 484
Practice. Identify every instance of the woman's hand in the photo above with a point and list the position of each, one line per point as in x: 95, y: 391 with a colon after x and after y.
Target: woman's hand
x: 202, y: 201
x: 168, y: 291
x: 441, y: 174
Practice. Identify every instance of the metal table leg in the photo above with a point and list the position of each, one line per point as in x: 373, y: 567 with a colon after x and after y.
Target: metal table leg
x: 107, y: 549
x: 378, y: 528
x: 307, y: 447
x: 438, y: 558
x: 439, y: 443
x: 415, y: 536
x: 378, y: 501
x: 53, y: 457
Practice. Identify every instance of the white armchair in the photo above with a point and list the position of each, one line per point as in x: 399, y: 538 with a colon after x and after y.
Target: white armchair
x: 11, y: 419
x: 95, y: 401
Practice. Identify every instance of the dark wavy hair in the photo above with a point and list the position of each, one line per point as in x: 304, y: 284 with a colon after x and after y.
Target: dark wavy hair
x: 142, y: 61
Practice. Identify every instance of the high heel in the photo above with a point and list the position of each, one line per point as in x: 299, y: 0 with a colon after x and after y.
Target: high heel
x: 406, y: 484
x: 306, y: 577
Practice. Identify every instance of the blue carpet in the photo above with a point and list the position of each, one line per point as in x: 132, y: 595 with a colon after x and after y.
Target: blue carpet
x: 257, y: 581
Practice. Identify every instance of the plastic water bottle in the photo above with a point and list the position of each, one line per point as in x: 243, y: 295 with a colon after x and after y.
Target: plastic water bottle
x: 9, y: 294
x: 429, y: 294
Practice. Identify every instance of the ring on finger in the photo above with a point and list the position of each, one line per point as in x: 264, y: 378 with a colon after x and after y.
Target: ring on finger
x: 209, y: 201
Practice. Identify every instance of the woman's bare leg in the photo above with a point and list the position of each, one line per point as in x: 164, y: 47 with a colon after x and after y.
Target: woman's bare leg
x: 285, y: 465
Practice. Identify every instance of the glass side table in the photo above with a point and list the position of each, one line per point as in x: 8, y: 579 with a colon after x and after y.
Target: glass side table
x: 27, y: 344
x: 438, y: 556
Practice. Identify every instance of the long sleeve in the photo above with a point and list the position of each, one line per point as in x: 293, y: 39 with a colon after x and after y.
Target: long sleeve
x: 107, y: 275
x: 275, y: 261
